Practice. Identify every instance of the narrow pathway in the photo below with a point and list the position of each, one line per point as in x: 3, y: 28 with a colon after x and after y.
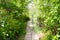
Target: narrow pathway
x: 30, y: 34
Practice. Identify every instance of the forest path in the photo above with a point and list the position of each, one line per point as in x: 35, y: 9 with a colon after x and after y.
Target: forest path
x: 30, y: 34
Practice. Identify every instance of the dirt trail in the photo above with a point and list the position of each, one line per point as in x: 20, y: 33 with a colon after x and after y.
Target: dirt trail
x: 30, y: 34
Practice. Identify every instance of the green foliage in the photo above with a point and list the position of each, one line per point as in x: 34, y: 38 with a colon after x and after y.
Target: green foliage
x: 50, y: 12
x: 13, y: 19
x: 14, y: 16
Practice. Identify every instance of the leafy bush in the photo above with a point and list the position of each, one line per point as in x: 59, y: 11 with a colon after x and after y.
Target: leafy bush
x: 13, y: 19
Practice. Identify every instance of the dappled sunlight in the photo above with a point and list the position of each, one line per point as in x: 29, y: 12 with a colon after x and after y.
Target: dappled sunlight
x: 29, y: 19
